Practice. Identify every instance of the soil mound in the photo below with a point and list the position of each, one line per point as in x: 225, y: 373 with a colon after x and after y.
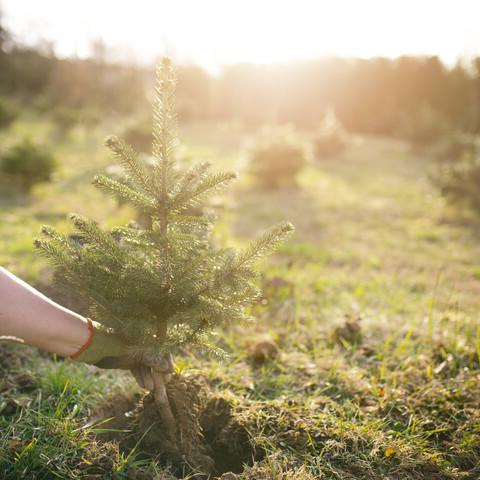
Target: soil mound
x: 211, y: 440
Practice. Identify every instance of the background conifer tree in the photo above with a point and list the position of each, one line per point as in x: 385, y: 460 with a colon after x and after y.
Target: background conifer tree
x: 166, y: 286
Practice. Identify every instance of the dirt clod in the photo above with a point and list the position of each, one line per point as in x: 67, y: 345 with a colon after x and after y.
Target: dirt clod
x: 350, y: 332
x: 263, y: 350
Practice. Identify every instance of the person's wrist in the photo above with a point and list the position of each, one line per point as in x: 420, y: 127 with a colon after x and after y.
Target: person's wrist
x: 65, y: 333
x: 101, y: 345
x: 88, y: 341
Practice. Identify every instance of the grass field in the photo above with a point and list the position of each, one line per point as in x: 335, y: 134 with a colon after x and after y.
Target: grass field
x: 393, y: 394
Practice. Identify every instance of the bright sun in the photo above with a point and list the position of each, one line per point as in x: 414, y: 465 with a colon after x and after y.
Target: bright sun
x: 213, y: 32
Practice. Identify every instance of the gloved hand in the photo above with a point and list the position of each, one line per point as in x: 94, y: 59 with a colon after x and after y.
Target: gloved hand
x: 107, y: 350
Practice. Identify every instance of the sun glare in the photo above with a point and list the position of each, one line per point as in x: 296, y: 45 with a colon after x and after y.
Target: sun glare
x: 214, y: 32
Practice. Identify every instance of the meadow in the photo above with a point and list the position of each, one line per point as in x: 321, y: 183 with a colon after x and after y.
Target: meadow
x: 372, y: 304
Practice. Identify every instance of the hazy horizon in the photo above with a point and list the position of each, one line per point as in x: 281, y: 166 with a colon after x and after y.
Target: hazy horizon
x: 214, y: 32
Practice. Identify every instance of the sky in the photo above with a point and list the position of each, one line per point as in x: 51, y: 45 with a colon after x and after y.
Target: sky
x: 214, y: 32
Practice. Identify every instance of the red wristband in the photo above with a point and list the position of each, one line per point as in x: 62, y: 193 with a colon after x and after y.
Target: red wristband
x: 91, y: 331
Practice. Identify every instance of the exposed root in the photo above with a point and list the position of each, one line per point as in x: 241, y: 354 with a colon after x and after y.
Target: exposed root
x: 163, y: 406
x: 208, y: 438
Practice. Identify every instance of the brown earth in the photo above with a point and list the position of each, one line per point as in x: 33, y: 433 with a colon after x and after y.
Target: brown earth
x: 211, y: 439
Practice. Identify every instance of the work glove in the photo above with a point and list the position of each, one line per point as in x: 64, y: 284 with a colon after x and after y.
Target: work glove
x: 107, y: 350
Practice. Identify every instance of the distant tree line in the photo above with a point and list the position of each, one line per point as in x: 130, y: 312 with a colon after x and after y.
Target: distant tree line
x: 379, y: 96
x: 370, y: 96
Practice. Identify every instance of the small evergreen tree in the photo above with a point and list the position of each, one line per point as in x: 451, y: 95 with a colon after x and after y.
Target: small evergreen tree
x: 277, y: 157
x: 139, y: 135
x: 25, y: 164
x: 164, y: 286
x: 330, y: 138
x: 459, y: 179
x: 8, y: 113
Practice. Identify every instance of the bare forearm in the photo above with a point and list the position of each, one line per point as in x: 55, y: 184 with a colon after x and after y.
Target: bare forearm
x: 38, y: 321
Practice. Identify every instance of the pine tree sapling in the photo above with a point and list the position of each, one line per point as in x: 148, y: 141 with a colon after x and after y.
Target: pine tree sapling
x: 165, y: 286
x: 331, y: 138
x: 277, y: 157
x: 139, y: 135
x: 8, y: 113
x: 459, y: 180
x: 27, y: 164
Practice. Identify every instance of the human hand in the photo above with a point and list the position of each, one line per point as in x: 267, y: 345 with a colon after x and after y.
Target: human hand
x: 144, y: 371
x: 106, y: 350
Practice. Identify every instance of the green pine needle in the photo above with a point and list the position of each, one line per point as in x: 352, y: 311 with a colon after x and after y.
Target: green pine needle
x: 163, y: 284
